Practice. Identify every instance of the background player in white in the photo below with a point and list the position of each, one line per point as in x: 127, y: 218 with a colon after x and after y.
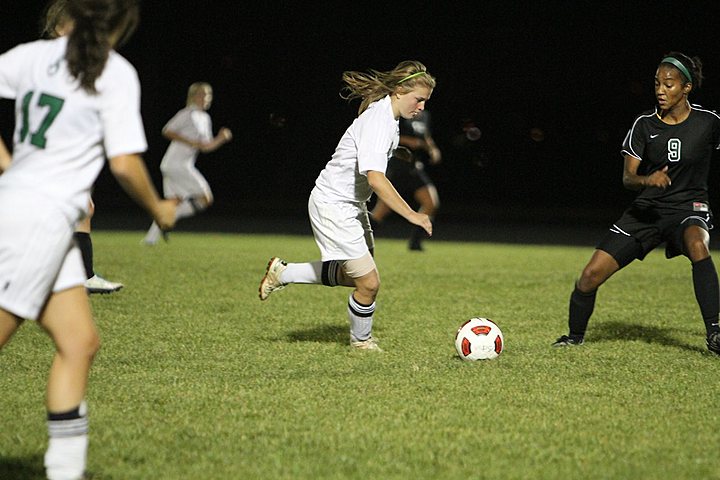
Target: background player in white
x: 77, y: 102
x: 668, y: 151
x: 189, y: 132
x: 337, y: 204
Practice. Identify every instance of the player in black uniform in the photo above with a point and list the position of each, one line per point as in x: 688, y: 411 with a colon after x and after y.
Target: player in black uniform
x: 406, y: 169
x: 667, y: 158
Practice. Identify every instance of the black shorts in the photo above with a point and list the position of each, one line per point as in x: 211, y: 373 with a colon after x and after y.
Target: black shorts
x: 640, y: 230
x: 407, y: 177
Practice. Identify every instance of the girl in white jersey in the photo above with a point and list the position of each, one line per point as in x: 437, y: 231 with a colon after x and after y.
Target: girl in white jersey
x: 189, y: 132
x: 337, y: 205
x: 77, y: 102
x: 56, y: 24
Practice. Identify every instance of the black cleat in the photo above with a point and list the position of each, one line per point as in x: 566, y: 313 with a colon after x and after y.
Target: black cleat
x: 713, y: 342
x: 568, y: 341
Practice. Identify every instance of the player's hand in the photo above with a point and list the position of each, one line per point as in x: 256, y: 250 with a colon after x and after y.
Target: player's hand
x: 422, y: 220
x: 164, y: 214
x: 435, y: 155
x: 659, y: 179
x: 225, y: 134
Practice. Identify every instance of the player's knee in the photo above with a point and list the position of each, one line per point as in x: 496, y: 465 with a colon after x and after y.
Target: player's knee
x: 697, y: 250
x: 368, y: 287
x: 590, y: 279
x: 200, y: 204
x: 83, y: 347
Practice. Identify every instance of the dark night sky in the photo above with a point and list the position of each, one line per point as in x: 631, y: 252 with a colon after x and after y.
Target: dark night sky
x: 579, y: 71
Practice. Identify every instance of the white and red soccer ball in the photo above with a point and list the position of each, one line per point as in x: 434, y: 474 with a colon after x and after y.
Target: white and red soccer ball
x: 479, y: 339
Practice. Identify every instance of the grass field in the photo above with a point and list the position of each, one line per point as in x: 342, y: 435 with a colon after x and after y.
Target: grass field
x: 198, y: 379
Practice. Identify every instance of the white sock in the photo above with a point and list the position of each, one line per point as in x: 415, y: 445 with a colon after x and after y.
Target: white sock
x: 184, y: 209
x: 302, y: 273
x: 361, y: 319
x: 66, y: 455
x: 153, y: 234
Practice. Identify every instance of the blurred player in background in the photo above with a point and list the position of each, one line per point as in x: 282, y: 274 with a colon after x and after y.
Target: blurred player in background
x: 337, y: 204
x: 76, y: 102
x: 57, y: 23
x: 406, y: 170
x: 667, y: 153
x: 189, y: 132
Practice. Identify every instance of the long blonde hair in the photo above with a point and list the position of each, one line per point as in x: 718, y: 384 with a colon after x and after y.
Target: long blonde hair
x: 373, y: 85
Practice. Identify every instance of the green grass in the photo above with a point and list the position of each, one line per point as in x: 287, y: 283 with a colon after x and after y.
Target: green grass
x: 197, y: 378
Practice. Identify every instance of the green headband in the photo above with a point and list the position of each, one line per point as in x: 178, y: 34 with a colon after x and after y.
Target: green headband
x: 679, y: 65
x: 416, y: 74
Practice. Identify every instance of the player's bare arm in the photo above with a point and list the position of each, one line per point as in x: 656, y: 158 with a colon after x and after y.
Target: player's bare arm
x: 387, y: 193
x: 633, y: 181
x: 223, y: 137
x: 5, y: 157
x: 132, y: 175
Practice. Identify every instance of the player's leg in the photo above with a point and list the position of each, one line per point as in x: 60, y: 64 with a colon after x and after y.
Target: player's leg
x: 82, y: 238
x: 94, y: 283
x: 696, y: 246
x: 67, y: 318
x: 191, y: 206
x: 361, y: 303
x: 618, y: 248
x: 380, y: 211
x: 195, y: 192
x: 601, y: 266
x: 280, y: 273
x: 9, y: 324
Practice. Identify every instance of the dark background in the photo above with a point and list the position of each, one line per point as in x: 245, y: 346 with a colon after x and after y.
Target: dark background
x: 579, y: 72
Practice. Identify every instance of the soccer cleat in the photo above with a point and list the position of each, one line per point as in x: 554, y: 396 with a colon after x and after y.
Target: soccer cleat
x: 369, y: 344
x: 566, y: 341
x: 271, y: 281
x: 713, y: 342
x: 97, y: 284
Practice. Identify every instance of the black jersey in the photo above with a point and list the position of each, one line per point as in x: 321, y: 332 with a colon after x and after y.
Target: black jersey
x: 686, y: 149
x: 418, y: 127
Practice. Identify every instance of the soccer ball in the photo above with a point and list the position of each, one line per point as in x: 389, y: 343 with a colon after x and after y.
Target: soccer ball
x: 479, y: 339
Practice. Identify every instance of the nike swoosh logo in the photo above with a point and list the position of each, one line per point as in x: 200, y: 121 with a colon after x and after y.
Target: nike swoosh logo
x: 653, y: 136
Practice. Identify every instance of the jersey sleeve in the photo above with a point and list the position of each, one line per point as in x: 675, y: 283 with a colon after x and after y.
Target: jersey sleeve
x: 120, y: 115
x: 716, y: 131
x: 11, y: 71
x: 374, y: 143
x: 178, y: 122
x: 634, y: 143
x: 203, y: 125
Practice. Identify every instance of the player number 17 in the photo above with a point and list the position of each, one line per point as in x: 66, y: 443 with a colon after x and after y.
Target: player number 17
x: 54, y: 105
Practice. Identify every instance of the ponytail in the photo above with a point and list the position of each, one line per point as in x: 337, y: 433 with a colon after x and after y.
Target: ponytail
x: 98, y: 26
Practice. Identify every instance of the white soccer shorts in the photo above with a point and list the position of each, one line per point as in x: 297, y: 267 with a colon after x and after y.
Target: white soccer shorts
x: 342, y: 230
x: 37, y: 254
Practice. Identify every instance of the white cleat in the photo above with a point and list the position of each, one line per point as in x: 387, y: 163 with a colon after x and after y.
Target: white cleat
x: 369, y: 344
x: 97, y: 284
x: 271, y: 281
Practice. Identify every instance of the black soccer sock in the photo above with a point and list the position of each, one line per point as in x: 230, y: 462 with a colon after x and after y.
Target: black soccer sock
x: 86, y: 249
x: 581, y: 308
x: 707, y: 292
x: 329, y: 275
x: 416, y: 238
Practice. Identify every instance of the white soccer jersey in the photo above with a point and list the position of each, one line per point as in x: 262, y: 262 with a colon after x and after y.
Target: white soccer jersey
x: 366, y: 145
x: 63, y: 133
x: 192, y: 123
